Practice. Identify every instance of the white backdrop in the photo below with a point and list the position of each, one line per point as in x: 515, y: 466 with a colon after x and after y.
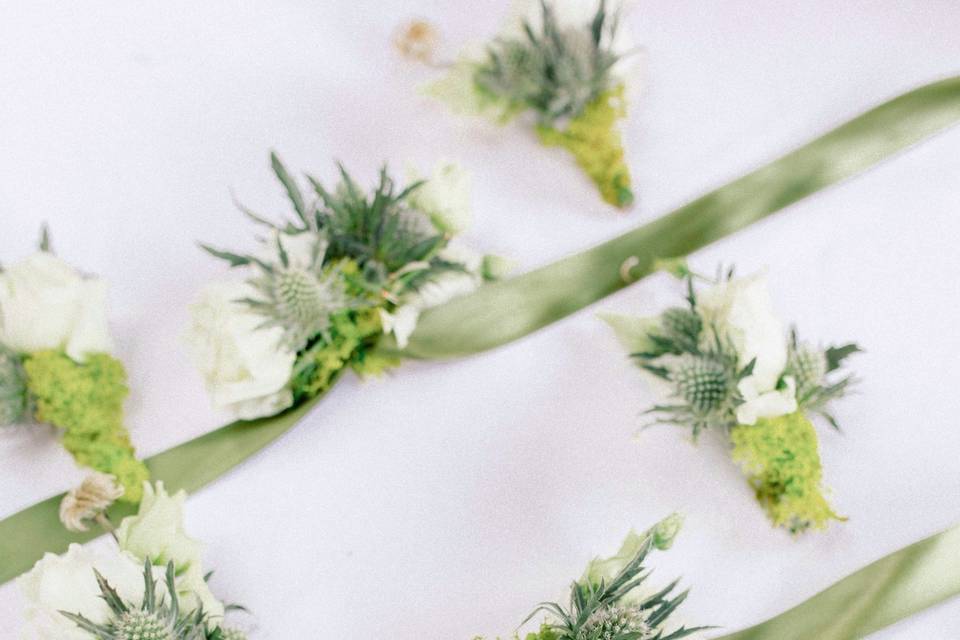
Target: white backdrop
x: 446, y: 500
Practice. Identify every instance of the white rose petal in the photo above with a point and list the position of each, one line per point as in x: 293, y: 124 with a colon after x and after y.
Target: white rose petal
x: 767, y: 404
x: 67, y: 583
x: 742, y: 310
x: 245, y: 368
x: 445, y: 197
x: 157, y: 532
x: 46, y: 304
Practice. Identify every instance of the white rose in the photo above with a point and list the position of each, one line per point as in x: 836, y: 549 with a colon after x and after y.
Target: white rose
x: 67, y: 583
x: 157, y: 532
x: 766, y: 404
x: 445, y: 197
x: 46, y: 304
x: 245, y: 368
x: 742, y: 310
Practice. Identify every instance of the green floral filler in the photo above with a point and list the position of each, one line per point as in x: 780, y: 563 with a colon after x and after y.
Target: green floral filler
x: 783, y: 465
x: 594, y: 140
x: 86, y: 401
x: 605, y: 603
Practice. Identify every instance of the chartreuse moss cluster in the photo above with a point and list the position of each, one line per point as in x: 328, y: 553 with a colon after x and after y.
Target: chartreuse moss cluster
x: 86, y: 401
x: 781, y: 459
x: 594, y: 140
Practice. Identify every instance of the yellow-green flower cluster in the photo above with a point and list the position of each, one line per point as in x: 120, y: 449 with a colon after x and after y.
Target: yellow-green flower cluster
x: 86, y: 401
x: 781, y: 457
x: 593, y: 137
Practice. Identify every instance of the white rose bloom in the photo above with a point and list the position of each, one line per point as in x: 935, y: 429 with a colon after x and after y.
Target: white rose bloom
x: 766, y: 404
x: 67, y: 583
x: 157, y: 532
x: 742, y: 310
x: 245, y: 368
x: 445, y: 197
x: 46, y: 304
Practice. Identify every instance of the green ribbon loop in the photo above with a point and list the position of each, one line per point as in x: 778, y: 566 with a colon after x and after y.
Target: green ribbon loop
x: 888, y: 590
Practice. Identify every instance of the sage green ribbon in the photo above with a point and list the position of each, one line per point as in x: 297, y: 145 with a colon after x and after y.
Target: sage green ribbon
x: 509, y: 310
x: 892, y: 588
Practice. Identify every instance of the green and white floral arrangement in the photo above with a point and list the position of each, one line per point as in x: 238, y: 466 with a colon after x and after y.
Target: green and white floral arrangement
x: 610, y: 600
x: 322, y: 289
x: 563, y: 65
x: 57, y: 367
x: 151, y: 586
x: 725, y: 363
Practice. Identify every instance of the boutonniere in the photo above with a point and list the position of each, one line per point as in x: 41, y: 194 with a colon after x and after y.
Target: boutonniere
x: 150, y: 586
x: 57, y: 367
x: 563, y: 65
x: 611, y: 599
x: 724, y: 362
x: 322, y: 288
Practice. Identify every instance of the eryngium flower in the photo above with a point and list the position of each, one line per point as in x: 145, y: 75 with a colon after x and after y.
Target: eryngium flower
x: 615, y: 622
x: 158, y: 618
x: 13, y: 388
x: 94, y: 496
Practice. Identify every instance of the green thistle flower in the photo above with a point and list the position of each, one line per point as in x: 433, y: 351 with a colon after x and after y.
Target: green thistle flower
x: 615, y: 622
x: 13, y: 388
x: 808, y: 367
x: 156, y: 619
x: 299, y: 298
x: 704, y: 383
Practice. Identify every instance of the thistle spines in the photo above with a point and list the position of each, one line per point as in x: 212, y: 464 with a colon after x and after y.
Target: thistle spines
x: 704, y: 383
x: 142, y: 625
x: 808, y: 366
x: 13, y: 388
x: 615, y: 621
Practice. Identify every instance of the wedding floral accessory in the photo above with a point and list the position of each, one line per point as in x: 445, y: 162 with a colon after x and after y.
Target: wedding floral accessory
x: 82, y: 595
x: 610, y: 600
x: 56, y: 365
x: 564, y: 62
x: 726, y: 363
x: 323, y: 288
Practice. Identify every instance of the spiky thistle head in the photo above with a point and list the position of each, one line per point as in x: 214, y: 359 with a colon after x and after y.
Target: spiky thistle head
x: 14, y: 399
x: 808, y: 366
x: 158, y: 617
x: 298, y: 294
x: 705, y: 383
x: 682, y: 327
x: 615, y: 622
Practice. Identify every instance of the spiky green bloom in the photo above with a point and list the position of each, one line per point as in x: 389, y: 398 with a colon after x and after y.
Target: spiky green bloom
x: 682, y: 327
x: 298, y: 298
x: 86, y: 401
x: 812, y: 369
x: 705, y: 384
x: 14, y: 400
x: 593, y: 138
x: 555, y: 70
x: 781, y: 457
x: 157, y: 618
x: 605, y: 603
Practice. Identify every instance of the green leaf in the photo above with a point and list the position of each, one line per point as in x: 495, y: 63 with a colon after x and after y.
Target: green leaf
x: 836, y: 355
x: 293, y: 191
x: 505, y: 311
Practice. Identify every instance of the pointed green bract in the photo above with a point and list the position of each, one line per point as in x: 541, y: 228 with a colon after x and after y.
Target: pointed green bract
x: 86, y: 401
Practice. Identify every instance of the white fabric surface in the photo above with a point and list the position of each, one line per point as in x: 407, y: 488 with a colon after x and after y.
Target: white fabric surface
x: 448, y: 499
